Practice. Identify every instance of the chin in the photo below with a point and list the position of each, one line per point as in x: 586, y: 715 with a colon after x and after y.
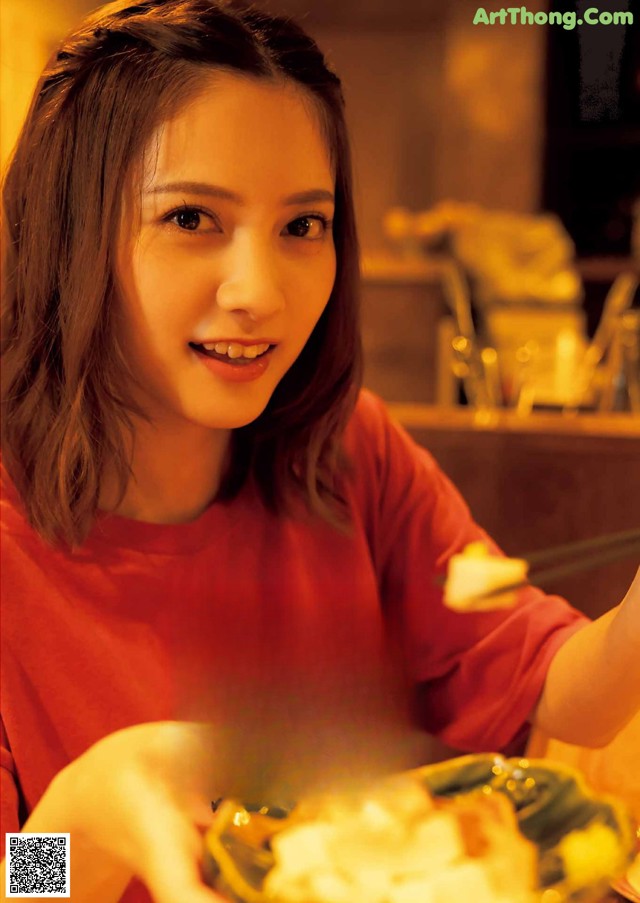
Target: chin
x: 240, y: 415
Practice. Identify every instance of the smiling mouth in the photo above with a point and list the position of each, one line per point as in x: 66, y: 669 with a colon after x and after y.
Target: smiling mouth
x: 232, y: 352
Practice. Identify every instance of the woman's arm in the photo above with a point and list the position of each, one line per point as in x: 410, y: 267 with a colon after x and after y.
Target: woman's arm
x: 592, y: 688
x: 134, y: 804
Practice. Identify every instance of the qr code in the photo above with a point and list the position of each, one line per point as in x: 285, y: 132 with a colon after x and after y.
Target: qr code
x: 37, y: 865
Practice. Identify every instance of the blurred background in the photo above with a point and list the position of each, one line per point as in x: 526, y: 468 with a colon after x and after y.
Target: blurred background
x: 498, y: 194
x: 517, y: 117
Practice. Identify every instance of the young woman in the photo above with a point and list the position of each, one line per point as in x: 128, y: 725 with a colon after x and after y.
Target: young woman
x: 205, y: 524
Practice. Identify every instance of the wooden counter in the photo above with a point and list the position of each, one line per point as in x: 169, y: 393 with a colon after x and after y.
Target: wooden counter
x: 542, y: 480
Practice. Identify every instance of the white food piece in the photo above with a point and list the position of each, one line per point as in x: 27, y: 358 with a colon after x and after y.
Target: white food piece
x: 411, y: 891
x: 330, y: 887
x: 304, y: 848
x: 437, y: 841
x: 468, y: 881
x: 475, y: 572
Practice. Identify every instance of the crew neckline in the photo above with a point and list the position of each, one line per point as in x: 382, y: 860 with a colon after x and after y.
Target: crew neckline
x: 115, y: 530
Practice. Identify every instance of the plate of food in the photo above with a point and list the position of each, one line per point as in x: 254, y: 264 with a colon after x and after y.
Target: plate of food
x: 480, y: 827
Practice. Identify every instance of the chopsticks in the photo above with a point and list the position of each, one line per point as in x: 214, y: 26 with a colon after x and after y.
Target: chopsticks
x: 582, y: 555
x: 617, y: 541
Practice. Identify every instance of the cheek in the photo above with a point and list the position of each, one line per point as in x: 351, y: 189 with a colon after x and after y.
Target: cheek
x: 160, y: 299
x: 312, y: 296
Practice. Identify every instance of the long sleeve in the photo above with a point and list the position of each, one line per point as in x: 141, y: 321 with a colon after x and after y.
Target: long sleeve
x: 478, y: 675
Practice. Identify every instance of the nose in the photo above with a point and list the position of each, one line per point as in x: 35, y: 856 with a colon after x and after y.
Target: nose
x: 252, y: 283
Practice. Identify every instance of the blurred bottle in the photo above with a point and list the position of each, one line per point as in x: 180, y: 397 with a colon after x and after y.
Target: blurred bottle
x: 621, y: 390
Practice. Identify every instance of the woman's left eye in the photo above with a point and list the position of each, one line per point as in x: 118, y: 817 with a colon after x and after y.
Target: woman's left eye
x: 311, y: 227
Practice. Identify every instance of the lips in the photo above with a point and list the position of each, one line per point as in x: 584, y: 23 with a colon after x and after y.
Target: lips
x: 233, y: 369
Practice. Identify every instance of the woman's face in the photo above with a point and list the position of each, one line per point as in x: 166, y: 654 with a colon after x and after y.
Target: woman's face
x: 225, y: 256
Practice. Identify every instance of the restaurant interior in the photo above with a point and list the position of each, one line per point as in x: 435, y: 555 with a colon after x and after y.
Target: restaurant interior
x: 498, y: 198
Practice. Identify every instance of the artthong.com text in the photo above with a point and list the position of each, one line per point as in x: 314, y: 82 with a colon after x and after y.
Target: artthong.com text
x: 520, y: 15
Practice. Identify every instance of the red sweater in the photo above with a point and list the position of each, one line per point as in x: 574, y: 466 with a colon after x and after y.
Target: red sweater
x: 149, y: 621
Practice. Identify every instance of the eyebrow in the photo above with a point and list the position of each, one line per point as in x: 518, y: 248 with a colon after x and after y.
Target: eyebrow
x: 313, y: 195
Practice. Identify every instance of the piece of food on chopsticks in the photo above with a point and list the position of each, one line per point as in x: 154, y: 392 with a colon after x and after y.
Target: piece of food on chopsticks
x: 475, y: 576
x: 397, y: 845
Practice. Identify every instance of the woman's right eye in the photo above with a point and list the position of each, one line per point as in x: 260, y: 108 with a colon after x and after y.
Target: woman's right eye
x: 192, y: 219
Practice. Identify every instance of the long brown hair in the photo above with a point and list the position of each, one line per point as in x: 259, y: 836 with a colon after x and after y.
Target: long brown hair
x: 65, y: 403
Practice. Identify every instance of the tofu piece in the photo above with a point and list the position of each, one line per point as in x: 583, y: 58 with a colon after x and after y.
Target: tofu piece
x: 437, y: 842
x: 475, y: 572
x: 468, y: 881
x: 330, y: 887
x: 411, y: 891
x: 303, y: 848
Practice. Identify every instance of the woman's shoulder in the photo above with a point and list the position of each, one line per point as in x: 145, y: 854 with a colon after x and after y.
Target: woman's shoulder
x: 369, y: 423
x: 385, y: 460
x: 370, y: 408
x: 374, y: 433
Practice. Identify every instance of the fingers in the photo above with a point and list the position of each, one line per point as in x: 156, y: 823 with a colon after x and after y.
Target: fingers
x: 172, y: 865
x: 199, y: 810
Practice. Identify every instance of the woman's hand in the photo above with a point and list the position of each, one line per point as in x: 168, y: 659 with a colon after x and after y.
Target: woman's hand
x: 136, y: 803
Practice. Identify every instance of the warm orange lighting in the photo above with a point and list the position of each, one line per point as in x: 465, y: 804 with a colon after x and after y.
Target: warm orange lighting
x: 29, y: 30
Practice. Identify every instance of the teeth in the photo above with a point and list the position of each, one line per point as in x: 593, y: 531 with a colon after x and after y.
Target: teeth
x: 235, y: 349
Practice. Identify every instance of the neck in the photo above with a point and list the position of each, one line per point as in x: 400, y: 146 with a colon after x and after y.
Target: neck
x: 175, y: 473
